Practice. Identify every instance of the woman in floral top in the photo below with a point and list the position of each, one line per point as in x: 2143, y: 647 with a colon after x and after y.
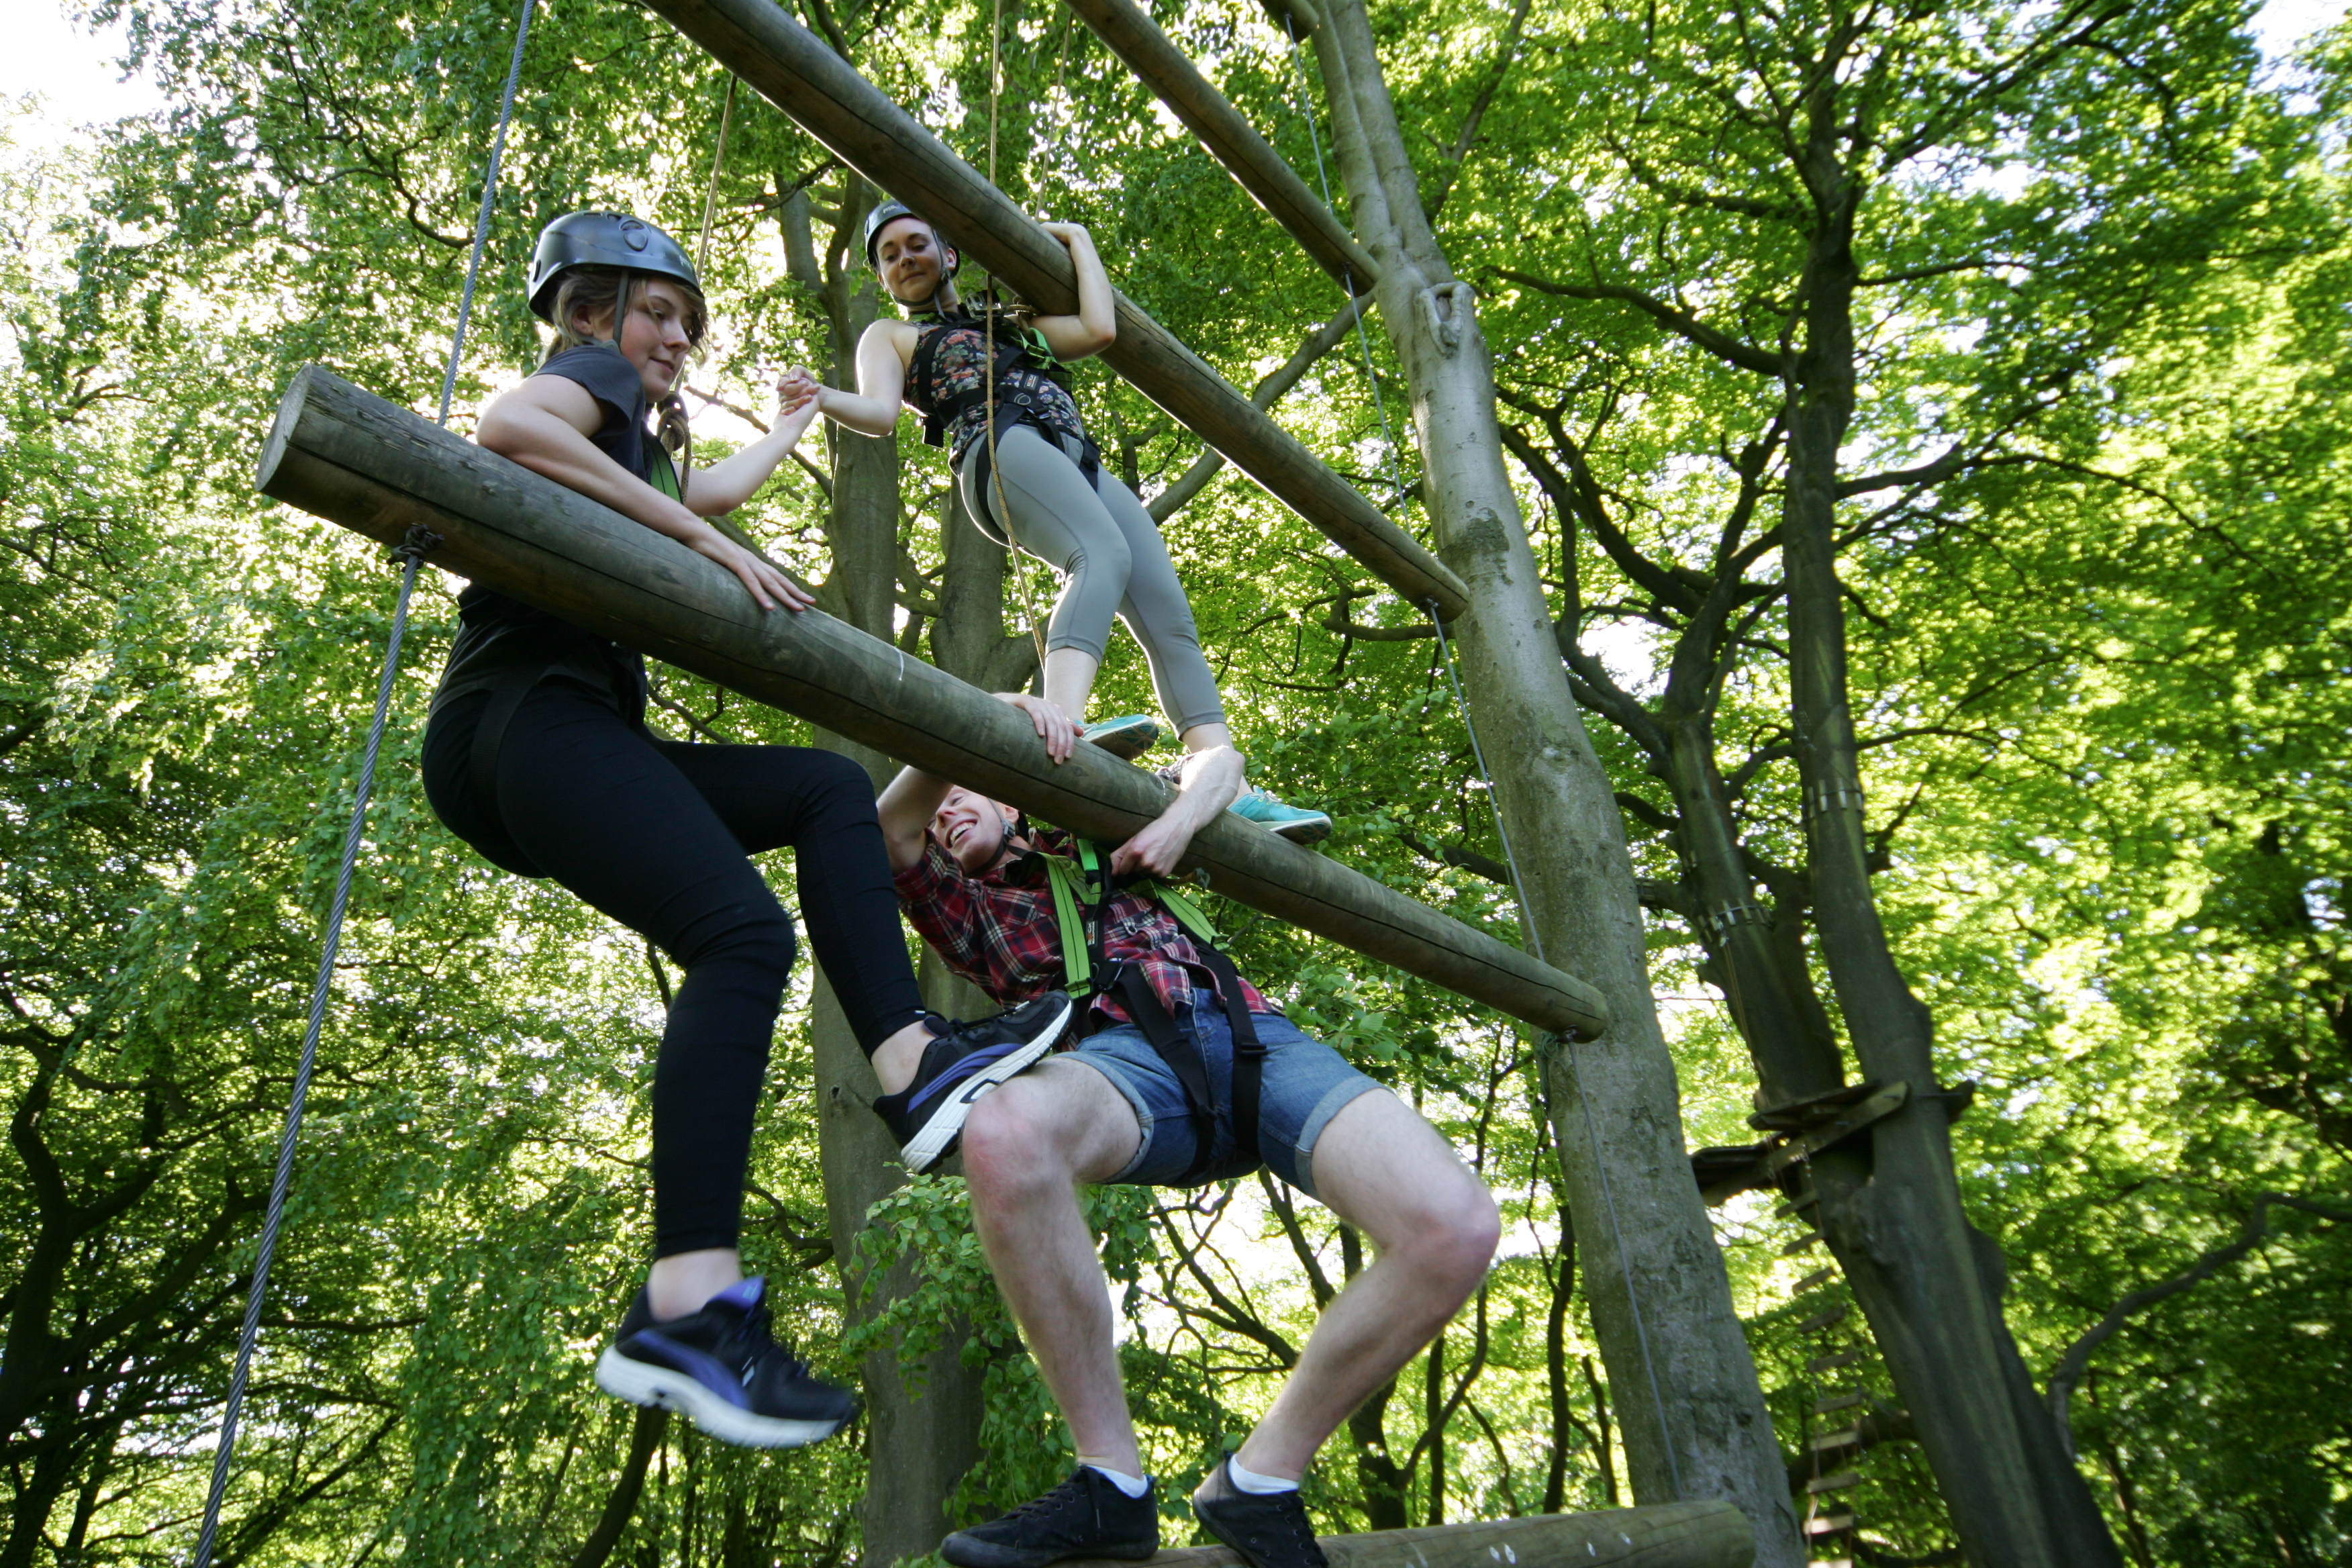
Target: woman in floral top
x: 1040, y: 485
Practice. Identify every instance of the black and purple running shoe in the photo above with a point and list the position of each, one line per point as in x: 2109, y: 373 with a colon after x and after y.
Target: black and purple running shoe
x: 722, y: 1370
x: 927, y: 1116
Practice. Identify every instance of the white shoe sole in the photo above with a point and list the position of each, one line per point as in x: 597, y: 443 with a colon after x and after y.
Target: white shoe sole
x: 946, y: 1120
x: 640, y: 1382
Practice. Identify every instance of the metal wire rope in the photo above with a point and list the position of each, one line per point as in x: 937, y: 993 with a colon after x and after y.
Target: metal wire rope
x: 1510, y: 857
x: 410, y: 553
x: 987, y: 365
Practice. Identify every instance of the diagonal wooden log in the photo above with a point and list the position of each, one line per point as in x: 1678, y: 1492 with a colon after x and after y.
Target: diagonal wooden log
x: 1672, y: 1535
x: 797, y: 72
x: 1230, y: 138
x: 377, y: 469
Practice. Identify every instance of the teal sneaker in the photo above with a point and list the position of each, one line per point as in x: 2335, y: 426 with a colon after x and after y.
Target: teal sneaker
x: 1126, y: 738
x: 1288, y: 821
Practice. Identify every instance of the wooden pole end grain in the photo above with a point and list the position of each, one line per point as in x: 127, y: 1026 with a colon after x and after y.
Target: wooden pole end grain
x: 1672, y: 1535
x: 378, y: 469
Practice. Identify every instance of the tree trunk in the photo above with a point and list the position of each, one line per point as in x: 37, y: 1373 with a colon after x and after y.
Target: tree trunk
x: 1928, y: 1281
x: 1695, y: 1421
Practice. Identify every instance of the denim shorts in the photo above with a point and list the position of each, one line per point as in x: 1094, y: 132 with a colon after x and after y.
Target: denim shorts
x: 1302, y: 1085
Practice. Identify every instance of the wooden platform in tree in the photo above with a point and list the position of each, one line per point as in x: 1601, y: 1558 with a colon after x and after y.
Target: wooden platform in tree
x: 1674, y: 1535
x: 377, y: 469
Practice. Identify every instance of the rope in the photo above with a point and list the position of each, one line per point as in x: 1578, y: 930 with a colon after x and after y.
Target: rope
x: 988, y: 367
x: 718, y: 162
x: 410, y: 553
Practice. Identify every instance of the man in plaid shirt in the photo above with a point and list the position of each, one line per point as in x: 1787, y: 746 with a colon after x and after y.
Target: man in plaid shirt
x: 1114, y: 1109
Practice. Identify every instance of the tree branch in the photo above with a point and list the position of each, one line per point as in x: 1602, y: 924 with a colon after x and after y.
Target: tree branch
x: 1714, y: 341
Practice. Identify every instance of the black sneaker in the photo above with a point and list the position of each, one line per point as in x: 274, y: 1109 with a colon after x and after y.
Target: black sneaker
x: 724, y: 1371
x: 1268, y: 1528
x: 958, y: 1067
x: 1085, y: 1516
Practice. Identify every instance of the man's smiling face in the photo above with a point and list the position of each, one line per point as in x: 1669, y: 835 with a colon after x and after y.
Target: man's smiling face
x: 971, y: 827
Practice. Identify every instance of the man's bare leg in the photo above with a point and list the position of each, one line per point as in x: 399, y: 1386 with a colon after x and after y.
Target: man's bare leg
x: 1387, y: 1173
x: 1027, y: 1149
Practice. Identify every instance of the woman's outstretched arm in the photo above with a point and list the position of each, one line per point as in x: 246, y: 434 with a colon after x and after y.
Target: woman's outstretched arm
x: 543, y: 425
x: 872, y: 408
x: 1096, y: 325
x: 726, y: 485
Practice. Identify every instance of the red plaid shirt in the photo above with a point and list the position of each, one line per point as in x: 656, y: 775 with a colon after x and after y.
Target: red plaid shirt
x: 999, y: 930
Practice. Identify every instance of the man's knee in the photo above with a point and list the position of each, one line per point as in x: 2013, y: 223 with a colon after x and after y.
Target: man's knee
x: 1460, y: 1231
x: 1010, y: 1150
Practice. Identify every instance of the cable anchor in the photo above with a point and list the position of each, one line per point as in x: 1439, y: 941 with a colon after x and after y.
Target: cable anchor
x: 1822, y: 799
x: 416, y: 544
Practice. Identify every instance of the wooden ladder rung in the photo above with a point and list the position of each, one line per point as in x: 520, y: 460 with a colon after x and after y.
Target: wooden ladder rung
x: 1830, y: 1442
x: 1794, y: 1206
x: 1832, y: 1362
x: 1843, y: 1402
x: 1802, y: 1242
x: 1813, y: 1281
x: 1836, y: 1483
x: 1829, y: 1524
x: 1831, y: 1563
x: 1830, y: 1319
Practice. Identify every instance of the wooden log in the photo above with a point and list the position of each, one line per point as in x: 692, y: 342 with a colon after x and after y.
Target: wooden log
x: 376, y: 469
x: 799, y: 74
x: 1231, y: 140
x: 1672, y: 1535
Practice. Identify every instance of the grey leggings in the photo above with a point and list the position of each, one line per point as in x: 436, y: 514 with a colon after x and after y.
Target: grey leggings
x: 1111, y: 558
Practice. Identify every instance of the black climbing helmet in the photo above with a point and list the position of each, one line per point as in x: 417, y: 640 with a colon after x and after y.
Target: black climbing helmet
x: 894, y: 208
x: 602, y: 240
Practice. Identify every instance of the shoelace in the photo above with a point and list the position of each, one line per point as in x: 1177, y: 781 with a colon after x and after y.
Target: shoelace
x: 757, y: 1337
x: 1075, y: 1485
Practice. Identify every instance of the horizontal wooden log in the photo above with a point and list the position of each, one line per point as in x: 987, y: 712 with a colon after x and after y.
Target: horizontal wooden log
x: 1673, y: 1535
x: 797, y: 72
x: 1230, y: 138
x: 376, y: 469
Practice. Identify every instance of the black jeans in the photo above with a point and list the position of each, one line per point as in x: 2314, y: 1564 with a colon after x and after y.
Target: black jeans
x: 657, y: 835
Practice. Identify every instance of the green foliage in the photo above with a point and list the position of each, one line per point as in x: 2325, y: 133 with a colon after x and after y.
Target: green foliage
x: 2106, y: 655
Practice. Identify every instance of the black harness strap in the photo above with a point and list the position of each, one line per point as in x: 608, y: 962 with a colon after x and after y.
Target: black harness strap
x: 1176, y: 1046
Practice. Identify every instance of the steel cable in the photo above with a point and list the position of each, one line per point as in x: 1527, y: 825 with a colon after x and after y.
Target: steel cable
x: 410, y: 553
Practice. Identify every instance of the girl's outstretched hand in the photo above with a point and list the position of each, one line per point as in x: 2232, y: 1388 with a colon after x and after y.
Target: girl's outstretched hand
x: 768, y: 586
x: 798, y: 388
x: 793, y: 422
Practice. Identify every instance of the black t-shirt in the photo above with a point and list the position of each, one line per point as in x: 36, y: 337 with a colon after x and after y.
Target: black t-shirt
x: 494, y: 632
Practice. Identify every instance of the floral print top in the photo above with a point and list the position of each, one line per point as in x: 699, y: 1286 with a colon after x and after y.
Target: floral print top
x: 959, y: 368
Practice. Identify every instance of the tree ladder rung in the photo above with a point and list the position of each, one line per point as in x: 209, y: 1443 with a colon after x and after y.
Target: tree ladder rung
x: 1802, y: 1242
x: 1830, y: 1442
x: 1814, y: 1281
x: 1841, y: 1402
x: 1821, y: 1363
x: 1828, y: 1524
x: 1836, y: 1483
x: 1795, y: 1206
x: 1825, y: 1320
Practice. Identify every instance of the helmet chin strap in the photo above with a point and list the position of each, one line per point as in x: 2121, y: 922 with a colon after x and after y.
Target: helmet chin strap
x: 930, y: 301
